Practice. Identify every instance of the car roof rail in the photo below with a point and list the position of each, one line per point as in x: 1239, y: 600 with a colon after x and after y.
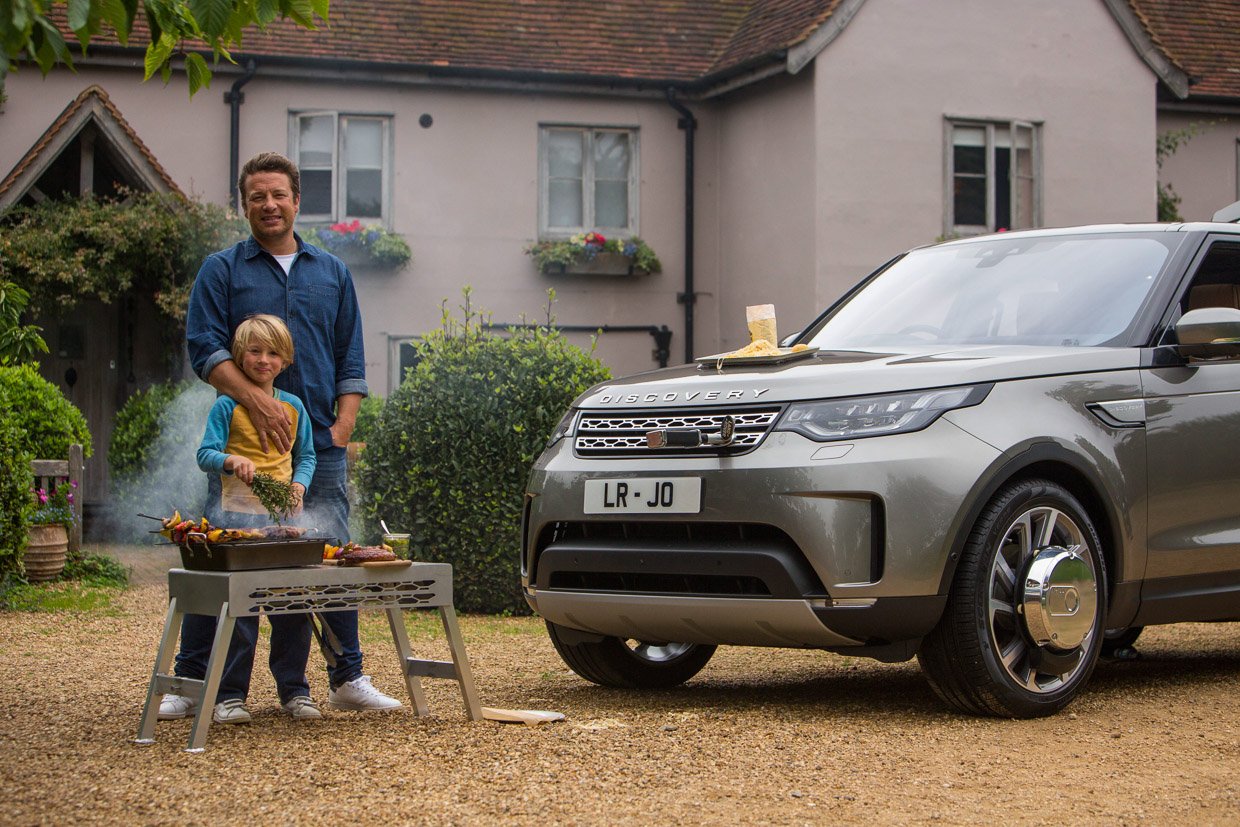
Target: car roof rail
x: 1229, y: 214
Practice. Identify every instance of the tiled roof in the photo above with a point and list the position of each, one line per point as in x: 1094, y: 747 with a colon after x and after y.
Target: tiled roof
x: 34, y: 156
x: 1203, y: 37
x: 664, y: 41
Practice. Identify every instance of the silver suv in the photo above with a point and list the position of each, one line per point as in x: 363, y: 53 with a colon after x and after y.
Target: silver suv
x: 1001, y: 455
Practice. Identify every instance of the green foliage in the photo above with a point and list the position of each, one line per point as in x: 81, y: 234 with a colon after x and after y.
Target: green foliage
x: 18, y: 342
x: 373, y: 245
x: 583, y: 247
x: 136, y: 429
x: 25, y: 27
x: 15, y: 501
x: 96, y: 570
x: 450, y: 454
x: 51, y: 422
x: 367, y: 418
x: 1166, y: 145
x: 65, y: 251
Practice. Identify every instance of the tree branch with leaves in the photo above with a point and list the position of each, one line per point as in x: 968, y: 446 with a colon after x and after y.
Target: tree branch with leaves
x: 29, y: 30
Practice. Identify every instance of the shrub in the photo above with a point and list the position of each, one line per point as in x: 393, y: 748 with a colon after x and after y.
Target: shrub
x: 451, y: 451
x: 52, y: 423
x: 152, y: 456
x: 96, y: 569
x: 367, y: 418
x: 137, y: 429
x: 16, y: 504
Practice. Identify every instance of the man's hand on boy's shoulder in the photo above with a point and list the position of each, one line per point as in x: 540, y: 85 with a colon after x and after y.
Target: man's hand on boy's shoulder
x: 271, y: 420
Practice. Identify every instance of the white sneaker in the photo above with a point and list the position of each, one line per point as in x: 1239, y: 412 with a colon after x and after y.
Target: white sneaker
x: 359, y: 694
x: 301, y: 708
x: 232, y: 711
x: 172, y: 707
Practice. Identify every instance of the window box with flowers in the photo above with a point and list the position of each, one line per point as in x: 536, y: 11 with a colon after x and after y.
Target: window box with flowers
x: 592, y: 254
x: 362, y: 246
x: 47, y: 547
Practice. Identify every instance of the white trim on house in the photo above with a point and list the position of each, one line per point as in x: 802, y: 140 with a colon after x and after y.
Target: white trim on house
x: 1170, y: 74
x: 800, y: 55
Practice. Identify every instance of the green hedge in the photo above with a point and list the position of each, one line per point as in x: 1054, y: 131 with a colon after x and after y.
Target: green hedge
x: 137, y: 429
x: 16, y: 482
x: 367, y: 418
x: 449, y: 457
x: 152, y: 457
x: 52, y: 423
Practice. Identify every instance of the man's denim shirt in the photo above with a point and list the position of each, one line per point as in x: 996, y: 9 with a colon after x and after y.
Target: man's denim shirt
x: 317, y: 302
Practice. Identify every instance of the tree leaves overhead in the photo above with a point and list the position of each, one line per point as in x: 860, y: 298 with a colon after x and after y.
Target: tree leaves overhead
x: 177, y: 28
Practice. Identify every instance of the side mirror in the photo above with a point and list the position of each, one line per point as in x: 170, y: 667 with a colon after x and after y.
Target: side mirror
x: 1209, y: 332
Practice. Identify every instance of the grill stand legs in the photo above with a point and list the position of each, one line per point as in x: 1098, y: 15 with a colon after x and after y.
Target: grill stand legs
x: 456, y: 669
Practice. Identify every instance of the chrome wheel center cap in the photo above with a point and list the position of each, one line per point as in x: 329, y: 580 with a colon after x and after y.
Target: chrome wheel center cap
x: 1059, y: 597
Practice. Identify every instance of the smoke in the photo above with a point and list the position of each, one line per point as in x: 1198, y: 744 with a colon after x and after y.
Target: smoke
x: 171, y: 479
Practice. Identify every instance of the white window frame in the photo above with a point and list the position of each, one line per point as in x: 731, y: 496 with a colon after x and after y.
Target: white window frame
x: 545, y: 231
x: 339, y: 192
x: 990, y: 125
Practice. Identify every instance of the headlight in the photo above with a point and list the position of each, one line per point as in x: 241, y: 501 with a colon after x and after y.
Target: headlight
x: 863, y: 416
x: 563, y: 429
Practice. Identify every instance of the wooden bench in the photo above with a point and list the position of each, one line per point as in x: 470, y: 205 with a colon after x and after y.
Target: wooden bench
x: 48, y: 474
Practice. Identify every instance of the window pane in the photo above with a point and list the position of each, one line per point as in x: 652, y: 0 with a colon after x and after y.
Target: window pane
x: 564, y: 154
x: 611, y: 203
x: 970, y: 201
x: 969, y: 159
x: 1003, y: 189
x: 363, y: 143
x: 315, y: 141
x: 316, y: 191
x: 364, y: 198
x: 564, y: 203
x: 611, y: 156
x: 408, y: 358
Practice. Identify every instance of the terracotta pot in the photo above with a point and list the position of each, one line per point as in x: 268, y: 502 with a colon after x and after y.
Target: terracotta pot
x: 44, y: 558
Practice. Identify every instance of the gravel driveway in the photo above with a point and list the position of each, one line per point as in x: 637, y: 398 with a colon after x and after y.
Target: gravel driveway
x: 761, y: 736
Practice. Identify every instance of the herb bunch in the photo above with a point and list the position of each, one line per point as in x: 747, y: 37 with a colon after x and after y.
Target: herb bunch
x: 275, y: 496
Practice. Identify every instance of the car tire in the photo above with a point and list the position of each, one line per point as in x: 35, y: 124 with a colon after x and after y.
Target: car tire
x: 622, y: 664
x: 1023, y: 625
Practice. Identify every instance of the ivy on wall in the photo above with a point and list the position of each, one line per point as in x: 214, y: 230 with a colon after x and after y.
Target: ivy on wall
x: 64, y: 251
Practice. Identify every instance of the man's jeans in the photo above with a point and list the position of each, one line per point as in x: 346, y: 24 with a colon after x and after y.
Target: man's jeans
x: 327, y: 513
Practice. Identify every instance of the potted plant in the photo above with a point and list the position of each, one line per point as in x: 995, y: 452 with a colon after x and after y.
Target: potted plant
x: 49, y: 523
x: 362, y: 246
x: 593, y: 254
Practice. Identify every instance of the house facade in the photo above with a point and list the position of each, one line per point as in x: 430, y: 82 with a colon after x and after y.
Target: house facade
x: 769, y: 152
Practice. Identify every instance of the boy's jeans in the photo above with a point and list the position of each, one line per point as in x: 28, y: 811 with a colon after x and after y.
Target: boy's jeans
x: 327, y: 512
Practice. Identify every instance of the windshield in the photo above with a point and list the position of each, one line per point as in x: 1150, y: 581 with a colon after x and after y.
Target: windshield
x: 1069, y: 290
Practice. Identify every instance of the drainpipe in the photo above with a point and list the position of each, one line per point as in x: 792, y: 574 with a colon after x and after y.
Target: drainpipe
x: 688, y: 298
x: 234, y: 97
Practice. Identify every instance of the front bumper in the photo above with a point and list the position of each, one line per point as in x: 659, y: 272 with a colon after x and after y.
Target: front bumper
x: 847, y: 542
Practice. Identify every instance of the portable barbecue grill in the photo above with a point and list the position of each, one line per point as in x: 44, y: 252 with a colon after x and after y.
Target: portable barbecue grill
x: 245, y: 555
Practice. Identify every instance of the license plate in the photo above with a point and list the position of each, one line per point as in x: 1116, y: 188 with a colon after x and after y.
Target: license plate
x: 644, y: 495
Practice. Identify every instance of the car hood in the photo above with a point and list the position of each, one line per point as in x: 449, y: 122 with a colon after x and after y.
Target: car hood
x: 828, y: 374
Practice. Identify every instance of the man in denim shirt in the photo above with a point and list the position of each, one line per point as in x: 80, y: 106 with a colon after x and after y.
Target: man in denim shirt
x: 275, y: 272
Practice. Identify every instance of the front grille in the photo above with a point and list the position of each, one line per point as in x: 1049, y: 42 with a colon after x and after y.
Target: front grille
x: 618, y: 435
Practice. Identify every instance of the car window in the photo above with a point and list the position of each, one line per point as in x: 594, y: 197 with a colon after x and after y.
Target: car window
x: 1057, y: 290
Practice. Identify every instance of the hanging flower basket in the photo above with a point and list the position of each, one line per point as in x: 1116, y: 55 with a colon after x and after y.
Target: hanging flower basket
x: 592, y: 254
